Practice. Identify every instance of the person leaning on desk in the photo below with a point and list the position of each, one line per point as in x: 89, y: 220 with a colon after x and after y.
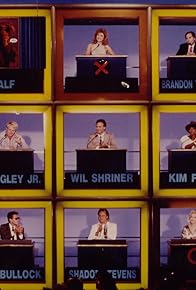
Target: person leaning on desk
x: 189, y: 141
x: 10, y: 140
x: 189, y: 47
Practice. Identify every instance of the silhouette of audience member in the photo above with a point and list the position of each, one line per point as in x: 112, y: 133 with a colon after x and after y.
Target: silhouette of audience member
x: 104, y: 281
x: 70, y: 284
x: 74, y: 284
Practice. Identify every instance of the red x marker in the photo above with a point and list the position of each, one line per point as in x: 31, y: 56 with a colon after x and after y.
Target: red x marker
x: 101, y: 67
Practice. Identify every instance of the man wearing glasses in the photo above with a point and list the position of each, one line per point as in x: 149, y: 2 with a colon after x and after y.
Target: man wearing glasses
x: 13, y: 230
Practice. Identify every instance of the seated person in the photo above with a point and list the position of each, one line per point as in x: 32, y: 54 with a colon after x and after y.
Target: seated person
x: 189, y: 47
x: 10, y: 140
x: 189, y: 230
x: 13, y: 230
x: 99, y: 44
x: 189, y: 141
x: 104, y: 229
x: 101, y: 138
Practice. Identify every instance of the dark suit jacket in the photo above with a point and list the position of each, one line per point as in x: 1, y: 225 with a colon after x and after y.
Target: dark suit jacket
x: 183, y: 49
x: 5, y: 232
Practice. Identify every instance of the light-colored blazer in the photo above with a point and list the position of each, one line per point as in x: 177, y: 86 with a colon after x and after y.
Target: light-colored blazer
x: 111, y: 232
x: 109, y: 141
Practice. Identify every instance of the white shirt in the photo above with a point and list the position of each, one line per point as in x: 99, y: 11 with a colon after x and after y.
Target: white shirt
x: 13, y: 234
x: 185, y: 140
x: 110, y: 228
x: 191, y: 47
x: 15, y: 143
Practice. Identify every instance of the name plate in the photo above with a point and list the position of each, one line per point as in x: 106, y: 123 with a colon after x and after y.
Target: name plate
x: 125, y: 275
x: 178, y: 179
x: 177, y: 85
x: 21, y: 81
x: 18, y: 180
x: 22, y: 275
x: 89, y: 180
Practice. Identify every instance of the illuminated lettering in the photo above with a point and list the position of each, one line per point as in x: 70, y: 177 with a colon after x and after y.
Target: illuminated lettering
x: 83, y: 274
x: 7, y: 84
x: 20, y: 274
x: 112, y: 177
x: 33, y: 178
x: 177, y: 84
x: 11, y: 178
x: 177, y: 177
x: 78, y: 178
x: 193, y: 177
x: 123, y: 274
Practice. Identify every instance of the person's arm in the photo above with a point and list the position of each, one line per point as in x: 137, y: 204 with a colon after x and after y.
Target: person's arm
x: 109, y: 50
x: 20, y: 232
x: 113, y: 143
x: 91, y: 144
x: 182, y: 50
x: 94, y: 232
x: 112, y: 232
x: 88, y: 50
x: 185, y: 234
x: 187, y: 143
x: 21, y: 142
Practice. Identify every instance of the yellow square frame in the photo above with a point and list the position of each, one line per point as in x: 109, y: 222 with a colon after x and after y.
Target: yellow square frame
x: 115, y: 204
x: 100, y: 13
x: 178, y: 192
x: 143, y: 146
x: 167, y: 14
x: 47, y: 127
x: 46, y: 95
x: 48, y: 244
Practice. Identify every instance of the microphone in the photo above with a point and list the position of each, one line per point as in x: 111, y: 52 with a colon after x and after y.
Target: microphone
x: 91, y: 139
x: 105, y: 231
x: 125, y: 85
x: 96, y: 47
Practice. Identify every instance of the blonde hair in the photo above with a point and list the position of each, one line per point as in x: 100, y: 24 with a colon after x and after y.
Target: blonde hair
x: 190, y: 214
x: 12, y: 123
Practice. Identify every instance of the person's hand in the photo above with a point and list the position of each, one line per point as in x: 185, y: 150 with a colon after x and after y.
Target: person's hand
x: 19, y: 229
x: 190, y: 53
x: 19, y: 141
x: 103, y: 146
x: 98, y: 230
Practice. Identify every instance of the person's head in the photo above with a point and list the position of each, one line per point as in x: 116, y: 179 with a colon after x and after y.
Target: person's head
x: 192, y: 217
x: 6, y: 31
x: 103, y: 215
x: 191, y: 128
x: 190, y: 37
x: 11, y: 128
x: 13, y: 218
x: 101, y: 36
x: 100, y: 126
x: 74, y: 284
x: 104, y: 281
